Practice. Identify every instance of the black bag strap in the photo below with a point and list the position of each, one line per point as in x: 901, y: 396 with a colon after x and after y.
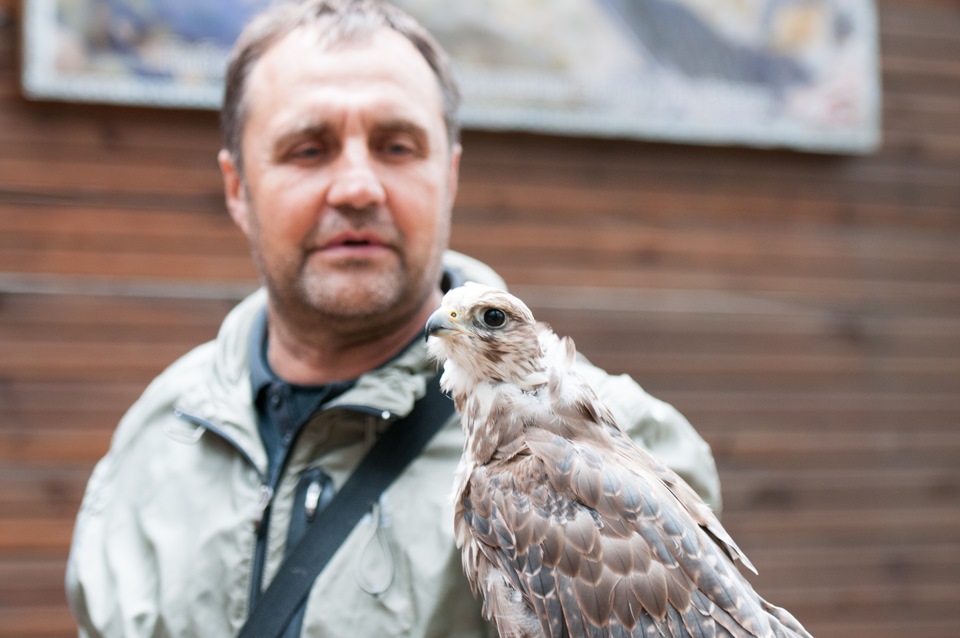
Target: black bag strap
x: 388, y: 457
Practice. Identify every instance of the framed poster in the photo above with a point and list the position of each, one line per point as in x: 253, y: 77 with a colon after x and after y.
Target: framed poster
x: 147, y: 52
x: 800, y: 74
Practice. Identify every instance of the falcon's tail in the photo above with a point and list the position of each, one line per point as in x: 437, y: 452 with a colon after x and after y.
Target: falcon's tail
x: 786, y: 626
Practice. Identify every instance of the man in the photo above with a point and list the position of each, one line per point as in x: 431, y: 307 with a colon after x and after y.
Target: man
x: 340, y: 165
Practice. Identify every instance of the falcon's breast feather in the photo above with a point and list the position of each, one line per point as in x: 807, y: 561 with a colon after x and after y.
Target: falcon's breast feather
x: 567, y: 527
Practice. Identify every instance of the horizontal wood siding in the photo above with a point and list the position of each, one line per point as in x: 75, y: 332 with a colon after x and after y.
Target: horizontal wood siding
x: 802, y: 310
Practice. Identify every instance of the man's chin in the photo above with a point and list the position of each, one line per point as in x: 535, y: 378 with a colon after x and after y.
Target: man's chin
x: 355, y: 294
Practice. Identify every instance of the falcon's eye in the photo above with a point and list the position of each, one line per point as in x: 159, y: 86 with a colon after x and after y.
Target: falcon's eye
x: 494, y: 318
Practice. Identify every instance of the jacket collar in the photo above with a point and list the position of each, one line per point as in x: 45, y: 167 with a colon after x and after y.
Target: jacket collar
x: 226, y: 399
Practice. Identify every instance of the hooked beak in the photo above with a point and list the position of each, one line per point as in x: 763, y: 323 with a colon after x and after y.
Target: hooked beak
x: 444, y: 319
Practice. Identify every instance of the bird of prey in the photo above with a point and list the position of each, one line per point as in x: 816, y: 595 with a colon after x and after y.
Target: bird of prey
x: 567, y: 527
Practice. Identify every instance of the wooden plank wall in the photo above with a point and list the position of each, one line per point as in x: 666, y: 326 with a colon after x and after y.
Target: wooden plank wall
x: 802, y: 310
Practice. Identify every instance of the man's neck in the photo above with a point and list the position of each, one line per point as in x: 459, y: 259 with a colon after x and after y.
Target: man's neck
x: 327, y: 355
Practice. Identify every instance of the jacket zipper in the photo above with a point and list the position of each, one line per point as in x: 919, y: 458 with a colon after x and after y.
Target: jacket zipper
x: 266, y: 497
x: 261, y: 524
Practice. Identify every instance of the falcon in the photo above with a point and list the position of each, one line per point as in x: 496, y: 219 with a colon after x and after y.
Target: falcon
x: 566, y: 526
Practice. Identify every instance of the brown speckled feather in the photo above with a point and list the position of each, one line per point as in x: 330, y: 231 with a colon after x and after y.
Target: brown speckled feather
x: 568, y: 528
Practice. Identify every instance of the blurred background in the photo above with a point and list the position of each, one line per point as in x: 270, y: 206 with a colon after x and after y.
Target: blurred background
x: 801, y: 309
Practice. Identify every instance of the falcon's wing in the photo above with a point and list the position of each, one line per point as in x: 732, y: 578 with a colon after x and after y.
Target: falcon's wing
x: 601, y: 550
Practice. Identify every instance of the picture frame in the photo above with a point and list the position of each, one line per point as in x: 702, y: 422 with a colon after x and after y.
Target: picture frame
x: 763, y: 73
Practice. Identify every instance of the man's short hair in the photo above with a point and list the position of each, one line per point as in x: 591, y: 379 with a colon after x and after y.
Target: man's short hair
x: 335, y: 21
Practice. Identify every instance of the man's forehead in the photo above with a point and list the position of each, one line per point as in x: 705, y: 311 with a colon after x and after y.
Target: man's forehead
x: 382, y: 60
x: 381, y: 51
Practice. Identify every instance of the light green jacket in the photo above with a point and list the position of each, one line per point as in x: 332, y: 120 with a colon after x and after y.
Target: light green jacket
x: 164, y: 541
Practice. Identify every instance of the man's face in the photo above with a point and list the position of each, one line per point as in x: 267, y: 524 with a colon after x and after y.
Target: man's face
x: 348, y: 177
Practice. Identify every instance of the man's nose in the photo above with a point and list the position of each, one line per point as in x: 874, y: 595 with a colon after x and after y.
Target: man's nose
x: 355, y: 182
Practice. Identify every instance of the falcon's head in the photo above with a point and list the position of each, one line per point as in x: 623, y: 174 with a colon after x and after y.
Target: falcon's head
x: 482, y: 334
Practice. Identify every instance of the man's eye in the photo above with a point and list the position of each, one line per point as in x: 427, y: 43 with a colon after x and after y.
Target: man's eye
x: 396, y: 148
x: 306, y: 152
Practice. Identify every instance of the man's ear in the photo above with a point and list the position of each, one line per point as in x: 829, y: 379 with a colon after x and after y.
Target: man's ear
x: 234, y: 192
x: 453, y: 177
